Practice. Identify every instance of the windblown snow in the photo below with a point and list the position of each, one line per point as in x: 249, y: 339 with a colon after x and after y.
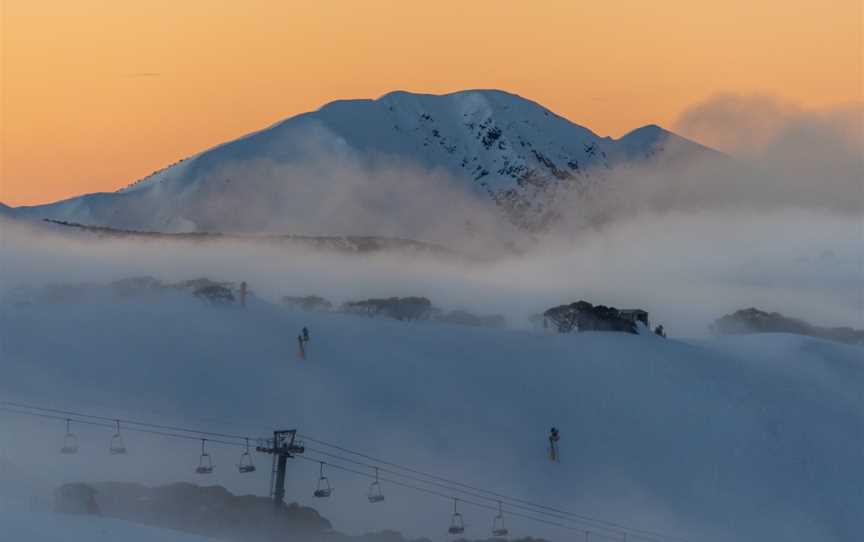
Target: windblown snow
x: 750, y: 439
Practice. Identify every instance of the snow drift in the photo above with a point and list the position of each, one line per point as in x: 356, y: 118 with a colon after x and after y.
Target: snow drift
x: 753, y: 438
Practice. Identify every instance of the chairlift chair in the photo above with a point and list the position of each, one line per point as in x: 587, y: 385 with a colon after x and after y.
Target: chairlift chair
x: 498, y: 528
x: 246, y: 464
x: 323, y: 489
x: 117, y: 447
x: 457, y: 524
x: 205, y: 462
x: 70, y: 441
x: 376, y: 494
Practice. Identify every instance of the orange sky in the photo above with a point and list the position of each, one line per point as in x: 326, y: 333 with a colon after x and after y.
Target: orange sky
x: 97, y: 93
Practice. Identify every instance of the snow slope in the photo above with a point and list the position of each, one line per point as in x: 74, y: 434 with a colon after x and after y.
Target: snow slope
x: 754, y: 438
x: 34, y: 527
x: 495, y: 146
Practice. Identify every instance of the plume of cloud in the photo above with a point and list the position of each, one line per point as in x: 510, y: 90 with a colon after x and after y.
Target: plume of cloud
x: 780, y: 156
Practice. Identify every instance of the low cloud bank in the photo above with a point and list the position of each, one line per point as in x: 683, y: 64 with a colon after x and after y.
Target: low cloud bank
x: 780, y: 157
x: 686, y: 269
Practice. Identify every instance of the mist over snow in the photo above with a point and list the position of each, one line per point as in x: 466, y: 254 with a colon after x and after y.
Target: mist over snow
x: 811, y: 158
x: 708, y: 438
x: 685, y: 269
x: 752, y: 438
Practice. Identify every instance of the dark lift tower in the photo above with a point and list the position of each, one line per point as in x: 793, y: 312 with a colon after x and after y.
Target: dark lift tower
x: 283, y: 447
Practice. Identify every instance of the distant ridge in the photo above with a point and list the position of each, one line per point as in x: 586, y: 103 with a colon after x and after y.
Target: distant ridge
x: 344, y: 244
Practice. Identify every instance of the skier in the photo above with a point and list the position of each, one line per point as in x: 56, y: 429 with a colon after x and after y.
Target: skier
x: 554, y: 437
x: 305, y: 335
x: 660, y: 331
x: 301, y: 350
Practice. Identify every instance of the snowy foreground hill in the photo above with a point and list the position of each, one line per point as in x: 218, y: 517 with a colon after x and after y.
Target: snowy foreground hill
x: 495, y: 147
x: 32, y: 527
x: 754, y: 438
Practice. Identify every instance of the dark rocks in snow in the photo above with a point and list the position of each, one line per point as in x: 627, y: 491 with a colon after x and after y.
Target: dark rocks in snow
x: 753, y: 320
x: 398, y: 308
x: 583, y: 316
x: 307, y: 303
x: 420, y: 308
x: 551, y: 166
x: 636, y: 316
x: 194, y: 285
x: 209, y: 511
x: 491, y: 136
x: 216, y: 295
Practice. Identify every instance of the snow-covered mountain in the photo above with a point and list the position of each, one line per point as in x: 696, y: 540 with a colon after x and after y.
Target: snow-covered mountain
x: 492, y: 145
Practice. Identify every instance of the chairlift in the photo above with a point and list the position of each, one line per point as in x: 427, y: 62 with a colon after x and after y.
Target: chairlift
x: 376, y: 494
x: 246, y: 464
x: 457, y: 524
x: 70, y: 441
x: 117, y: 447
x: 323, y: 490
x: 498, y: 528
x: 205, y: 462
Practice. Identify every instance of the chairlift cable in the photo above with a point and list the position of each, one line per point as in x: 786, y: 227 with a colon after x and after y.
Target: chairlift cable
x: 445, y: 496
x: 610, y: 525
x: 611, y: 535
x: 88, y: 419
x: 124, y: 421
x: 112, y: 426
x: 469, y: 493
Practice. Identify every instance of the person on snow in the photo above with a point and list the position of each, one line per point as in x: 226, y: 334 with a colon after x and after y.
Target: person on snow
x: 554, y: 437
x: 301, y: 351
x: 305, y: 335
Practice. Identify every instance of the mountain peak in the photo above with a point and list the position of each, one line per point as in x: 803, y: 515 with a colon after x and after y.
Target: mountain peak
x: 457, y: 93
x: 500, y: 147
x: 649, y: 131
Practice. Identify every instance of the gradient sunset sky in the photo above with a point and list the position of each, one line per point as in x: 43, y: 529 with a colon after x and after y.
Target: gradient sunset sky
x: 98, y: 93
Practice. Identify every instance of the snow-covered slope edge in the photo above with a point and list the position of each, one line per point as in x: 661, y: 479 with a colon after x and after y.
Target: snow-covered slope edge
x: 35, y: 527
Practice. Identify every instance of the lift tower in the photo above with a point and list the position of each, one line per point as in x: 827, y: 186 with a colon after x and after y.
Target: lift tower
x: 282, y: 447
